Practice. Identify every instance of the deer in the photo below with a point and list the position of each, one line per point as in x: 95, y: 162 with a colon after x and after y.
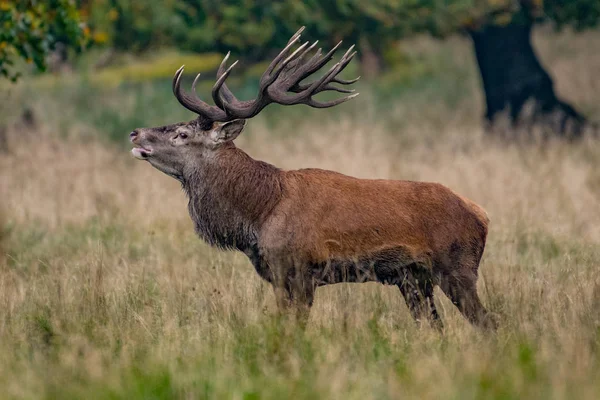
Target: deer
x: 303, y: 229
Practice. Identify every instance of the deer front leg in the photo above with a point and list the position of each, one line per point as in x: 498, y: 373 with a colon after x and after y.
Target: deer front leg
x: 283, y: 298
x: 302, y: 292
x: 294, y: 296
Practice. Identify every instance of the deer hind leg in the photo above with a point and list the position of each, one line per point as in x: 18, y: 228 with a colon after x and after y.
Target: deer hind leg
x: 462, y: 291
x: 417, y: 289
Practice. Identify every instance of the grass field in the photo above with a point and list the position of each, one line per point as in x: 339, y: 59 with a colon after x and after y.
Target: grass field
x: 105, y: 292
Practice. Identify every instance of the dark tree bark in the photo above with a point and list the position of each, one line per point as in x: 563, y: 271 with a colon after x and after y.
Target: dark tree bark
x: 512, y: 76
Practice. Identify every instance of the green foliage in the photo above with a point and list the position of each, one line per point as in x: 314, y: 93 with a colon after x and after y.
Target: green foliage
x: 30, y: 30
x: 581, y: 14
x: 255, y: 28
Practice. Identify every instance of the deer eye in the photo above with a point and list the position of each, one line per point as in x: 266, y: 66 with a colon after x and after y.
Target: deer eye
x: 183, y: 135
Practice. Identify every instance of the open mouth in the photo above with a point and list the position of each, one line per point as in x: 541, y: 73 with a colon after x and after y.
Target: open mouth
x: 141, y: 153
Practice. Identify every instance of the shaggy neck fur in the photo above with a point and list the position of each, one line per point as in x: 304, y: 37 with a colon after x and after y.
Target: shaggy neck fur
x: 230, y: 196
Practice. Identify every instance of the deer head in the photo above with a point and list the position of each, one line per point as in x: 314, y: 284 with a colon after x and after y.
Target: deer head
x: 174, y: 148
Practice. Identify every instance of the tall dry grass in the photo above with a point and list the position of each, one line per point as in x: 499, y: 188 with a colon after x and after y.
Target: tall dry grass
x: 105, y: 292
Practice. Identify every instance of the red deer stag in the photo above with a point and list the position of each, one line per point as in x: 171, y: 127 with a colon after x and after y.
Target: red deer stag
x: 307, y: 228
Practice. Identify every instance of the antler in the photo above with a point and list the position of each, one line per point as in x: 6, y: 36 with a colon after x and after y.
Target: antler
x: 280, y: 83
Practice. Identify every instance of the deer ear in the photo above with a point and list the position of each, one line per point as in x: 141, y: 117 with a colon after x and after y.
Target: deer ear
x: 227, y: 131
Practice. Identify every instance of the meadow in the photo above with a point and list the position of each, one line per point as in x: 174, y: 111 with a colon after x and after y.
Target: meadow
x: 106, y: 292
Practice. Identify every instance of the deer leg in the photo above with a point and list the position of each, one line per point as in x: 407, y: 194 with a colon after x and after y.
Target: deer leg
x: 302, y: 294
x: 295, y: 295
x: 283, y: 299
x: 462, y: 291
x: 418, y: 294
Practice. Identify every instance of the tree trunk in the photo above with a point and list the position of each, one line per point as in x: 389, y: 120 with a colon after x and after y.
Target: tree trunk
x: 512, y: 77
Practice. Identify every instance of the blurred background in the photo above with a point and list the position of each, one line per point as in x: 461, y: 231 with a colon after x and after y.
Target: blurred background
x: 528, y: 63
x: 106, y: 292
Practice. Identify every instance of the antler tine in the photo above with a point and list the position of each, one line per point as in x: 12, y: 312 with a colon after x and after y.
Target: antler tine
x: 330, y: 53
x: 304, y: 92
x: 344, y: 62
x: 299, y: 87
x: 326, y: 104
x: 250, y: 109
x: 298, y: 59
x: 305, y: 52
x: 326, y: 83
x: 192, y: 102
x: 301, y: 96
x: 266, y: 79
x: 176, y: 78
x: 225, y: 91
x: 221, y: 83
x: 294, y: 56
x: 314, y: 87
x: 288, y: 81
x: 282, y: 53
x: 347, y: 53
x: 316, y: 63
x: 344, y: 81
x: 329, y: 87
x: 296, y: 35
x: 196, y: 79
x: 337, y: 89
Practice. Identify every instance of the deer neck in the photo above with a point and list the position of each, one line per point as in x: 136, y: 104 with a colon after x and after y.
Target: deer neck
x: 230, y: 195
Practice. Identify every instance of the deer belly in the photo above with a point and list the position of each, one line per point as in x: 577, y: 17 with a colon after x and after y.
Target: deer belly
x: 387, y: 266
